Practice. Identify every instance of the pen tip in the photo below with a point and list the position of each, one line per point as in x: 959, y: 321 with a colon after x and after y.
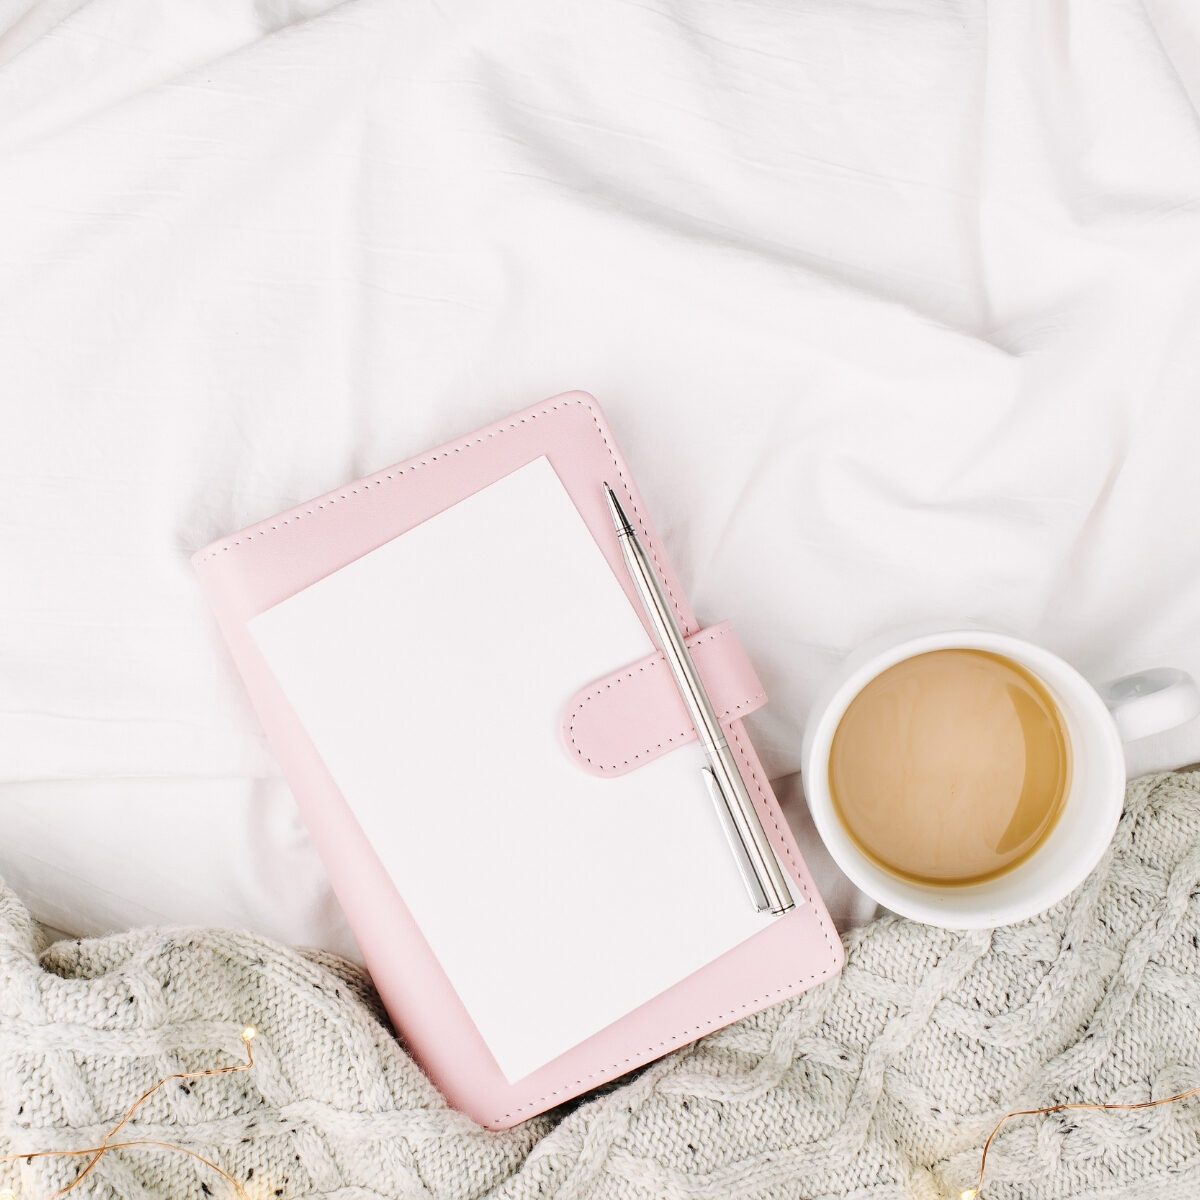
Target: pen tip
x: 620, y: 520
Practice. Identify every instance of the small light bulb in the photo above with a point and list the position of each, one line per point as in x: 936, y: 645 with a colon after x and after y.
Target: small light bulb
x: 248, y: 1034
x: 8, y: 1194
x: 969, y: 1194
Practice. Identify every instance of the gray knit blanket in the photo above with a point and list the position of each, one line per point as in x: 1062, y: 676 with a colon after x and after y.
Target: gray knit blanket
x: 882, y: 1083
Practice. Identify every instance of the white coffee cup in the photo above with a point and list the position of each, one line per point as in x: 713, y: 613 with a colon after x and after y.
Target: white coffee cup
x: 1097, y: 721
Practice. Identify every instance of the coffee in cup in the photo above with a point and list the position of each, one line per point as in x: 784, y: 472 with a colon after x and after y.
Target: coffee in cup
x: 950, y: 767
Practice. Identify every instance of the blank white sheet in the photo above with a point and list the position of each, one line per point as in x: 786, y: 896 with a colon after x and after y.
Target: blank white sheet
x: 431, y: 675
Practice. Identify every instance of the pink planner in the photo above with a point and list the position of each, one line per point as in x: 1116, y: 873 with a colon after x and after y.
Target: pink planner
x: 452, y: 667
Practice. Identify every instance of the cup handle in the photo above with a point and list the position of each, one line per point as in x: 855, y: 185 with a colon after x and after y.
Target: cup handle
x: 1151, y: 701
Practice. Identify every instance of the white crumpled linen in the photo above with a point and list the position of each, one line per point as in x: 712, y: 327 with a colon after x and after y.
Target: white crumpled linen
x: 893, y: 310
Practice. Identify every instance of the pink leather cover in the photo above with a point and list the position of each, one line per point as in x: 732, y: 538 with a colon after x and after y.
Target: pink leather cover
x: 256, y: 568
x: 636, y: 714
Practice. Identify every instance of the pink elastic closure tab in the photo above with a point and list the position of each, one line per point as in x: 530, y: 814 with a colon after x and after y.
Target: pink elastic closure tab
x: 636, y: 714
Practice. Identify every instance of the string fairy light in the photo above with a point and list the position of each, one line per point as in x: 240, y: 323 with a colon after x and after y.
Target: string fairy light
x: 972, y: 1193
x: 98, y: 1152
x: 249, y: 1033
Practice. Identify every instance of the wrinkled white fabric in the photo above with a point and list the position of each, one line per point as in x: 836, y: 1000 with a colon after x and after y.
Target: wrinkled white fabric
x: 892, y: 309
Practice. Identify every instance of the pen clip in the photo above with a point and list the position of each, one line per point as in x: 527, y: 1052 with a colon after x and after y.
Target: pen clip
x: 758, y: 896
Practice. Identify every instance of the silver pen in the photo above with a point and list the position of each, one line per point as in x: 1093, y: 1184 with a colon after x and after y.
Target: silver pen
x: 760, y: 870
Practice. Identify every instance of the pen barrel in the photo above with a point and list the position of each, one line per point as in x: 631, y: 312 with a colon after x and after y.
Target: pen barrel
x: 670, y: 639
x: 738, y: 801
x: 744, y: 815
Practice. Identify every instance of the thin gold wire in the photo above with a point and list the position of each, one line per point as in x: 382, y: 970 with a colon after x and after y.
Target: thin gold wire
x: 973, y: 1192
x: 98, y: 1152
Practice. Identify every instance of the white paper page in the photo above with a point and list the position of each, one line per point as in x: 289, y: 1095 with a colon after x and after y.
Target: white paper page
x: 431, y: 675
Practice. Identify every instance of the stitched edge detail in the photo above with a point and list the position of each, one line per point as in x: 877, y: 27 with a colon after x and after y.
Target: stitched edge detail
x: 382, y: 477
x: 720, y: 1019
x: 759, y: 697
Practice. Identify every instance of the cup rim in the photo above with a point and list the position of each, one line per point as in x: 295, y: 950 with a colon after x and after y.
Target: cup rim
x: 944, y: 906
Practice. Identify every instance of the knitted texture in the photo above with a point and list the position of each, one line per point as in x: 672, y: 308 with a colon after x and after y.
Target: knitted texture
x: 883, y: 1083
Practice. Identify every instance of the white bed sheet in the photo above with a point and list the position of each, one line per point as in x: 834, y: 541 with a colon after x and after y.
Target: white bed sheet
x: 893, y: 309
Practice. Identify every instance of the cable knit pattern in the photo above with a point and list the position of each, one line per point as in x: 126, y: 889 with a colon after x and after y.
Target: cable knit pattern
x: 883, y: 1083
